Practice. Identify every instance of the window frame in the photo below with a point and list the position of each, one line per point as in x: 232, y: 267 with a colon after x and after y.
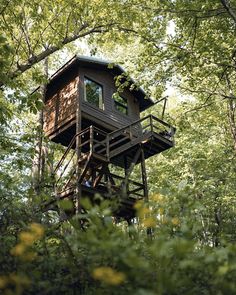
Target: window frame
x: 125, y: 106
x: 102, y: 94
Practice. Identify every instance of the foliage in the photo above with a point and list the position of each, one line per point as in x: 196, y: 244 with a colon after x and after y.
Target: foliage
x: 73, y: 261
x: 191, y: 213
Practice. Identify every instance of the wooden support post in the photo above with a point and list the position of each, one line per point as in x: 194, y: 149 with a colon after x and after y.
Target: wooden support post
x: 91, y: 139
x: 145, y: 185
x: 129, y: 171
x: 109, y: 179
x: 126, y: 167
x: 164, y: 108
x: 84, y: 171
x: 100, y: 175
x: 78, y: 150
x: 144, y: 175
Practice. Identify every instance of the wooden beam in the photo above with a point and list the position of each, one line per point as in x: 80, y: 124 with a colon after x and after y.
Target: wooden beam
x: 144, y: 175
x: 144, y: 179
x: 110, y: 176
x: 83, y: 173
x: 78, y: 149
x: 129, y: 171
x: 100, y: 175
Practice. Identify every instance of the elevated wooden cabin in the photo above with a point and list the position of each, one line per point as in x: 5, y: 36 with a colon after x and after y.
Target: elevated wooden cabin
x: 100, y: 125
x: 89, y: 84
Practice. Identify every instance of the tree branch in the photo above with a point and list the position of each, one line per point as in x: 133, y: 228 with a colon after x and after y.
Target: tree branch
x: 21, y: 68
x: 229, y: 9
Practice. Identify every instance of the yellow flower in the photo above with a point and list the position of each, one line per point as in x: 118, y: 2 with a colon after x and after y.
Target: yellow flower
x: 108, y: 275
x: 27, y: 238
x: 18, y: 250
x: 157, y: 198
x: 141, y: 209
x: 3, y: 282
x: 142, y: 212
x: 37, y: 229
x: 161, y: 211
x: 175, y: 221
x: 138, y: 205
x: 149, y: 222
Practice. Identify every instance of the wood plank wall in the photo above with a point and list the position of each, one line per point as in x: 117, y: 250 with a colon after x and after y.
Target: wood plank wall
x: 60, y: 103
x: 109, y: 114
x: 61, y: 99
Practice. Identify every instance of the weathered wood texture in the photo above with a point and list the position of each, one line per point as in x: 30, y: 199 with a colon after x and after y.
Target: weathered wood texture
x: 60, y: 104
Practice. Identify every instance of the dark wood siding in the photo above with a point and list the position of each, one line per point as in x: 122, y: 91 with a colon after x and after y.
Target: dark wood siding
x: 109, y: 115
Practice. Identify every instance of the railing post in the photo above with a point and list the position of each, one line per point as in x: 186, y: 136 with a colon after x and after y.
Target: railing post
x: 130, y: 132
x: 91, y: 139
x: 151, y: 123
x: 108, y: 147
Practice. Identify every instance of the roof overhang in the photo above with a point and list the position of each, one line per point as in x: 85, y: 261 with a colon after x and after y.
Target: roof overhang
x: 144, y: 101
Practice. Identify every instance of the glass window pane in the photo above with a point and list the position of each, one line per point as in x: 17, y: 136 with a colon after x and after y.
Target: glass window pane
x: 121, y: 104
x: 93, y: 93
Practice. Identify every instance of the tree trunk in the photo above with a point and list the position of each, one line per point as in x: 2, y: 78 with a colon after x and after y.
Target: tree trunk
x: 39, y: 162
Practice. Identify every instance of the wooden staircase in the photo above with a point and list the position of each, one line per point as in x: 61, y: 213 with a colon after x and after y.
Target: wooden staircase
x: 97, y: 149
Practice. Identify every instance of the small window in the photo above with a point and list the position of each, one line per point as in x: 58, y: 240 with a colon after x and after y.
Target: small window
x: 121, y: 104
x: 93, y: 93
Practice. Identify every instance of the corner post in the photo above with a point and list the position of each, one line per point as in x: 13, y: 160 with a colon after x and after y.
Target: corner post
x: 91, y: 134
x: 144, y: 179
x: 78, y: 148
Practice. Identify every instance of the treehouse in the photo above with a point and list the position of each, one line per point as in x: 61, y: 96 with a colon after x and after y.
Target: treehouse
x: 100, y: 126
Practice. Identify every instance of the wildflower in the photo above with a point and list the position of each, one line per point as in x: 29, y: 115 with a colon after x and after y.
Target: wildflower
x: 138, y: 205
x: 157, y: 198
x: 27, y: 238
x: 175, y: 221
x: 149, y: 222
x: 3, y: 282
x: 161, y: 211
x: 18, y: 250
x: 143, y: 211
x: 37, y: 229
x: 108, y: 275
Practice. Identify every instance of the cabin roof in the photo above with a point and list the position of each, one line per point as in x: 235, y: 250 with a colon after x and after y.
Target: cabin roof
x: 144, y: 101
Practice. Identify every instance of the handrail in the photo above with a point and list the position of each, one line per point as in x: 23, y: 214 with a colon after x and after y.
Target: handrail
x: 150, y: 124
x: 138, y: 122
x: 104, y: 146
x: 69, y: 147
x: 82, y: 132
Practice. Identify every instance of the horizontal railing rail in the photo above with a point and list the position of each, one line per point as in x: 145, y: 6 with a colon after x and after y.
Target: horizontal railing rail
x: 94, y: 141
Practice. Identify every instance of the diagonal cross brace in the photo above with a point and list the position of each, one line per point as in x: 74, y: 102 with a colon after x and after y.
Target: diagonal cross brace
x: 130, y: 170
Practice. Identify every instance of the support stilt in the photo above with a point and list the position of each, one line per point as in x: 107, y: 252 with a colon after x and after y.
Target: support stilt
x: 144, y: 179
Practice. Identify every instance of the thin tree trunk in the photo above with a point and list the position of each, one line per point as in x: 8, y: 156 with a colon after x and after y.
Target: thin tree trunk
x: 231, y: 106
x: 39, y: 162
x: 231, y: 118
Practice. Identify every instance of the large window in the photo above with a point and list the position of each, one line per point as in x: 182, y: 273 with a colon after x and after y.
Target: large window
x: 93, y: 93
x: 121, y: 103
